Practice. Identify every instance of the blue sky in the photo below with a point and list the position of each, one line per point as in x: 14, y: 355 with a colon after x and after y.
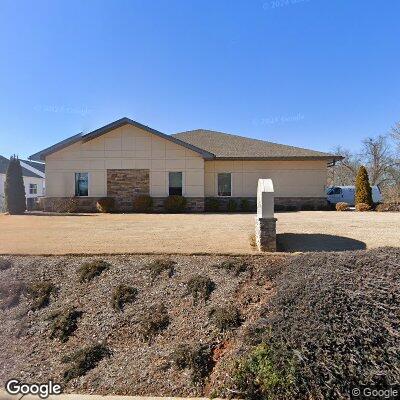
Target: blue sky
x: 310, y: 73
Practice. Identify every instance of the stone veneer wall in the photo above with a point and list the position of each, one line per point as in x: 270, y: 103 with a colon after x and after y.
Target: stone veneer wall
x: 197, y: 204
x: 193, y: 205
x: 281, y: 203
x: 88, y: 204
x: 124, y: 184
x: 55, y: 204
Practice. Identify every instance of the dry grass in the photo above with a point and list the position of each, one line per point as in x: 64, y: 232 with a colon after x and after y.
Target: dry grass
x: 183, y: 233
x: 253, y: 241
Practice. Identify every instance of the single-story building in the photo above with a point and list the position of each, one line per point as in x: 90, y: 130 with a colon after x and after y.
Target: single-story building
x: 33, y: 174
x: 126, y: 158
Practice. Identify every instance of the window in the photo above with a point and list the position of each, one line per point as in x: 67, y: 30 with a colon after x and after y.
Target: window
x: 175, y: 183
x: 224, y: 184
x: 335, y: 190
x: 81, y: 184
x: 33, y: 188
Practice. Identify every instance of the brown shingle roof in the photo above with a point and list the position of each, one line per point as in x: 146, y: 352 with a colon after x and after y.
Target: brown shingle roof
x: 224, y: 145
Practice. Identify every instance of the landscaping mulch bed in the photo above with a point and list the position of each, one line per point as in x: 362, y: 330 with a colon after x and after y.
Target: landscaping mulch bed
x: 331, y: 327
x: 34, y: 342
x: 272, y: 326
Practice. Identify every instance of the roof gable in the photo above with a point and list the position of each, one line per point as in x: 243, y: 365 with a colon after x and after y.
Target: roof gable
x: 209, y: 144
x: 37, y: 165
x: 80, y: 137
x: 227, y: 146
x: 25, y: 172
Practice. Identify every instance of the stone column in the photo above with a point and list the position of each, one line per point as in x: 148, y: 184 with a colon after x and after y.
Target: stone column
x: 266, y: 234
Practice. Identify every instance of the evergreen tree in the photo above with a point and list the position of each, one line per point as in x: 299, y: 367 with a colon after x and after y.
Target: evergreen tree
x: 363, y: 188
x: 14, y: 190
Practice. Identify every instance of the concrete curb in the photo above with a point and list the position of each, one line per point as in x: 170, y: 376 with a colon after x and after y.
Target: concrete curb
x: 5, y: 396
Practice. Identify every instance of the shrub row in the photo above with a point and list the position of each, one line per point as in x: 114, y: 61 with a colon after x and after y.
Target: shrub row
x: 391, y: 207
x: 144, y: 203
x: 177, y: 204
x: 388, y: 207
x: 342, y: 206
x: 67, y: 205
x: 141, y: 203
x: 214, y: 204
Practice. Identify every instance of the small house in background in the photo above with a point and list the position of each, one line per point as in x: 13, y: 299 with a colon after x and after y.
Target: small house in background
x: 34, y: 180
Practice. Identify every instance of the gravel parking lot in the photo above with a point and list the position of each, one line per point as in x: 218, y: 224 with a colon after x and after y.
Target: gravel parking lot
x: 192, y: 233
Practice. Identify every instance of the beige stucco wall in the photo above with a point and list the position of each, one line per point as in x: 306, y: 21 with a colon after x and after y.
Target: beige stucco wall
x: 290, y: 178
x: 126, y: 147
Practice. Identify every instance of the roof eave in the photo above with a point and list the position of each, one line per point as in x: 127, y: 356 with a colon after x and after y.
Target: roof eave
x: 41, y: 155
x: 282, y: 158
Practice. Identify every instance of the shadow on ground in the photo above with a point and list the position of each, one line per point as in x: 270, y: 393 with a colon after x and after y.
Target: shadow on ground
x: 57, y: 214
x: 291, y: 242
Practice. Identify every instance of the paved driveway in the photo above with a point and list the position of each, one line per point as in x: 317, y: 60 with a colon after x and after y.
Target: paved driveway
x: 192, y: 233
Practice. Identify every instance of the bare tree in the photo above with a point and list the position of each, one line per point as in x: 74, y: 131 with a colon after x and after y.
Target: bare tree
x: 344, y: 171
x: 381, y: 160
x: 395, y: 133
x: 378, y: 155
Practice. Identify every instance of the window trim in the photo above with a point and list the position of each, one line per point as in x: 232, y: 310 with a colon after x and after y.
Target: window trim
x: 88, y: 176
x: 183, y: 181
x: 216, y: 183
x: 35, y: 188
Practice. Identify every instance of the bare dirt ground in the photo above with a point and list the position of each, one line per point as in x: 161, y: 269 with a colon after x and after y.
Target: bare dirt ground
x: 192, y: 233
